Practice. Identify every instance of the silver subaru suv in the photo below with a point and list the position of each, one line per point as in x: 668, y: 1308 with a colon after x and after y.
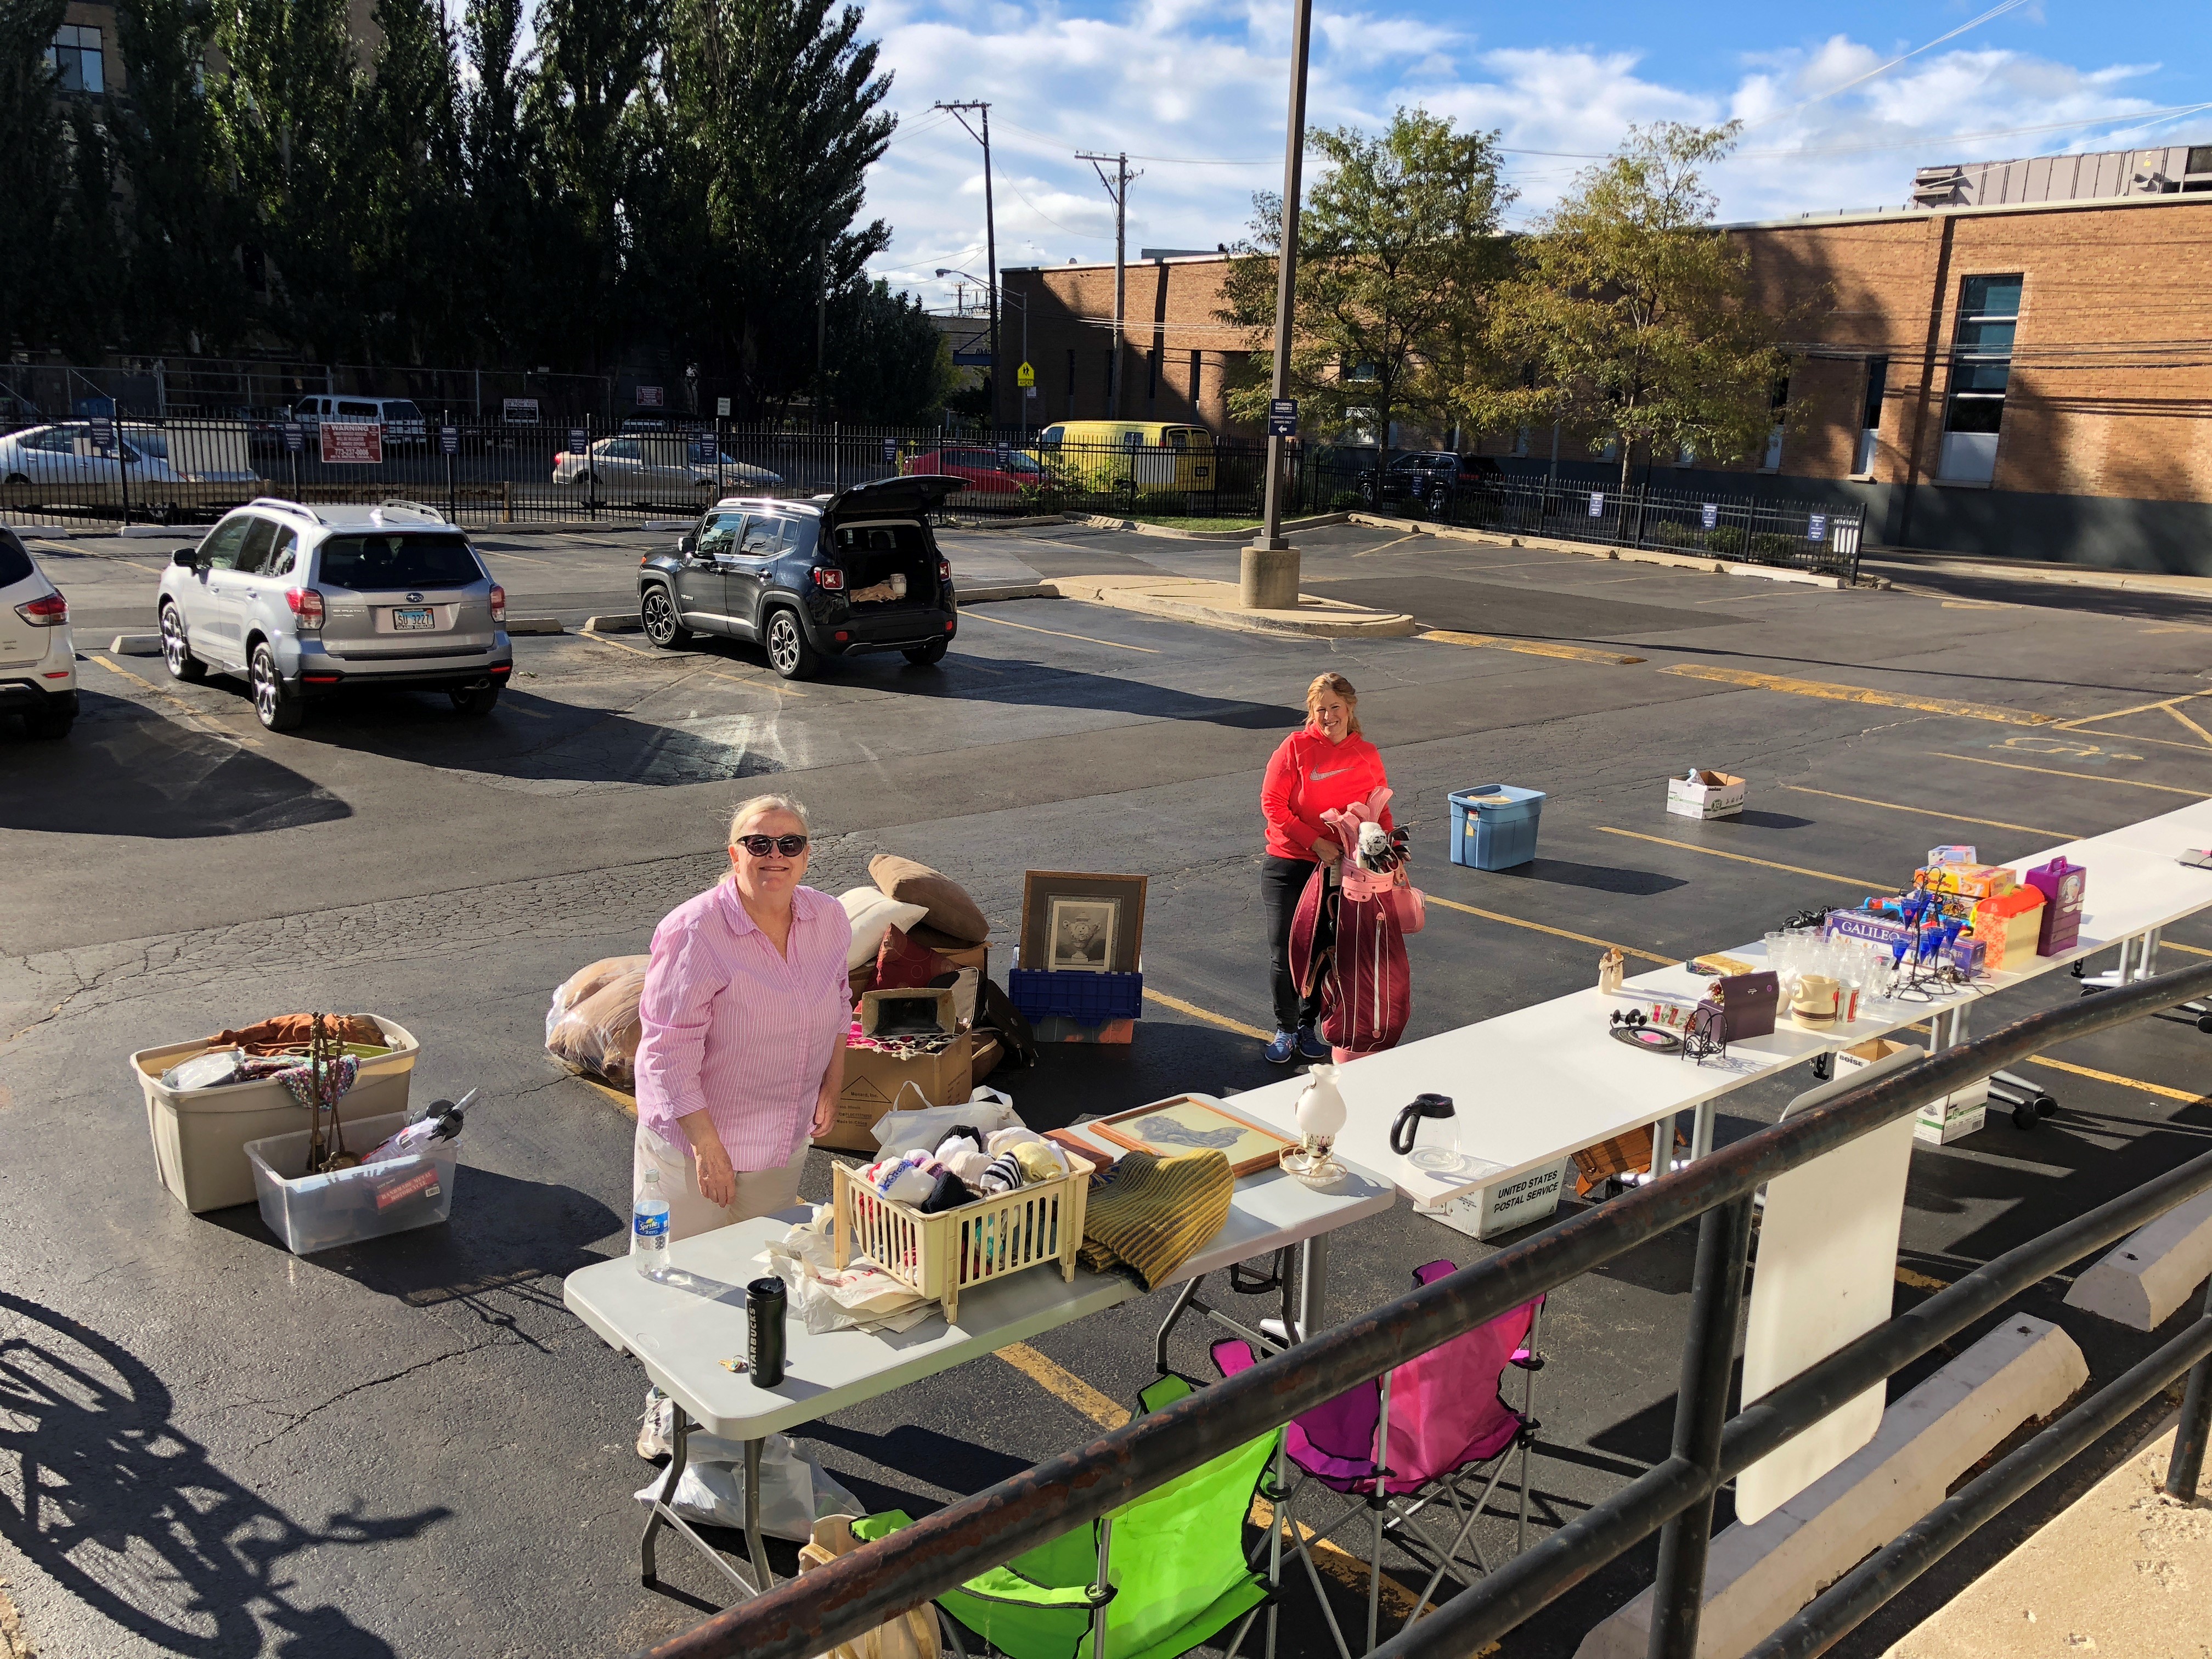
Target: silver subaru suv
x: 302, y: 604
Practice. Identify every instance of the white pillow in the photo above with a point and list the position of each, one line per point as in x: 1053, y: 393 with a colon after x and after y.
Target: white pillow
x: 873, y: 914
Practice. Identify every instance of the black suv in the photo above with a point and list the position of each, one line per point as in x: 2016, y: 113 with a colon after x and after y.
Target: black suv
x: 1428, y: 478
x: 831, y: 577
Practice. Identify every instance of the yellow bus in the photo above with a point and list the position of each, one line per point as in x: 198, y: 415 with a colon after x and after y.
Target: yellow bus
x: 1130, y: 458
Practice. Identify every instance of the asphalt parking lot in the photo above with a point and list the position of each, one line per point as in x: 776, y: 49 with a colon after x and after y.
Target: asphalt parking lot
x: 411, y: 1447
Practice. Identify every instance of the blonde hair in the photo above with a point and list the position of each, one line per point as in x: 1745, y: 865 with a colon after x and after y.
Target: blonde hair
x: 748, y: 810
x: 1338, y: 686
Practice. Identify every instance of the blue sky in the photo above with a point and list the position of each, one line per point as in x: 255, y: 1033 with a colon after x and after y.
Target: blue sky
x: 1198, y: 88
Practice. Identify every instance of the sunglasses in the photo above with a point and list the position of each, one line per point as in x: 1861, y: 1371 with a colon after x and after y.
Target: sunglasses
x: 760, y: 846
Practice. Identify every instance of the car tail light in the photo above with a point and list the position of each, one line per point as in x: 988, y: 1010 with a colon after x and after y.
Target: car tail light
x: 948, y: 628
x: 561, y: 458
x: 832, y: 580
x: 51, y: 611
x: 307, y: 605
x: 498, y: 603
x: 945, y: 570
x: 499, y: 668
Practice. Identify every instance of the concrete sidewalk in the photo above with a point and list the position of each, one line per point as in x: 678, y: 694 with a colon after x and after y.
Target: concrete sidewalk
x: 2125, y: 1570
x: 1214, y: 604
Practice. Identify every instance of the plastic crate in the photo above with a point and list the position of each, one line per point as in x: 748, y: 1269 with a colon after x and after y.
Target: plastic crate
x: 1086, y: 999
x: 320, y: 1213
x: 940, y: 1256
x: 1493, y: 825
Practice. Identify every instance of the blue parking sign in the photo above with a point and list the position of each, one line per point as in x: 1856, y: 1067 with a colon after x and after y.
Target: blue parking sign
x: 449, y: 440
x: 295, y: 437
x: 578, y: 441
x: 103, y: 433
x: 1711, y: 514
x: 1816, y: 527
x: 1282, y: 417
x: 890, y: 449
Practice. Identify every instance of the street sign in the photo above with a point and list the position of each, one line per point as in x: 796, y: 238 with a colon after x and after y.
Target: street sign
x: 650, y: 396
x: 103, y: 433
x: 578, y: 441
x: 1816, y: 527
x: 352, y: 443
x: 722, y: 408
x: 1597, y: 503
x: 295, y: 436
x: 518, y: 411
x: 1025, y: 375
x: 891, y: 450
x: 1711, y: 515
x: 1282, y: 417
x: 449, y: 440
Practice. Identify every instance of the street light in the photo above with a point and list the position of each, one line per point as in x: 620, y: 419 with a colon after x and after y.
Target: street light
x: 1012, y: 298
x: 1267, y: 576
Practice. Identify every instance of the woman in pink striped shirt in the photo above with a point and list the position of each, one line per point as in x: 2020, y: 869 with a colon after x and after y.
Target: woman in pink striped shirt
x: 742, y: 1017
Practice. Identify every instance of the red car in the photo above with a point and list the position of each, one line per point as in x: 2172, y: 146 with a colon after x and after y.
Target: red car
x: 987, y: 471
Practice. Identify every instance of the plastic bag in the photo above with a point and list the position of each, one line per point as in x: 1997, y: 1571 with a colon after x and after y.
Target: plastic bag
x: 897, y: 1132
x: 858, y: 1296
x: 596, y: 1027
x: 796, y: 1491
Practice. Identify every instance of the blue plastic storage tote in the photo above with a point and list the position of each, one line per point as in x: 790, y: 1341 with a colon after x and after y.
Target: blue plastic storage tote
x: 1087, y: 998
x: 1493, y: 825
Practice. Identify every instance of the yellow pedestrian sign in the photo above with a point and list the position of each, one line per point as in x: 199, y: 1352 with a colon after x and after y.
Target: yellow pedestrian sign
x: 1025, y: 375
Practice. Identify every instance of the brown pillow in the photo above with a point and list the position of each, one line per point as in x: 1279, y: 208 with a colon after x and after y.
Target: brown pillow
x: 951, y: 912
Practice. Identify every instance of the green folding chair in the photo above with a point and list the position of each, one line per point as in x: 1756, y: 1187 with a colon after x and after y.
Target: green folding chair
x: 1154, y: 1579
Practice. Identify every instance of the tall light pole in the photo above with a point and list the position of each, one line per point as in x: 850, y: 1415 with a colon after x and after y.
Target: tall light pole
x: 1118, y: 188
x: 990, y: 232
x: 1268, y: 574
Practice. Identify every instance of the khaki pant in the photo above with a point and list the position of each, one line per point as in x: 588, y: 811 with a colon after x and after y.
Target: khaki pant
x: 760, y: 1192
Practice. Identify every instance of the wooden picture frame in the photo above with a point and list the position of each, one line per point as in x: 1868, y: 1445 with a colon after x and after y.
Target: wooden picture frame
x: 1043, y: 890
x: 1250, y: 1146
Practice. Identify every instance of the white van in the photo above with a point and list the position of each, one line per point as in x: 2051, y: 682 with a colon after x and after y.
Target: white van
x: 402, y: 421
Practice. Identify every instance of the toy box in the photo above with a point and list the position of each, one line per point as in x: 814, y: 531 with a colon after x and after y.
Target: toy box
x: 1969, y: 880
x: 2063, y: 886
x: 1705, y: 795
x: 2008, y: 925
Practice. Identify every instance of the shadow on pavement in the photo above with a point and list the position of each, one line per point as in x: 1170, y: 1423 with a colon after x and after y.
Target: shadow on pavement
x: 128, y: 770
x: 130, y: 1517
x: 1597, y: 877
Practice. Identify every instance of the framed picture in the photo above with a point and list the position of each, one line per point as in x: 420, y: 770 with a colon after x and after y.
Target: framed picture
x: 1072, y: 922
x: 1185, y: 1125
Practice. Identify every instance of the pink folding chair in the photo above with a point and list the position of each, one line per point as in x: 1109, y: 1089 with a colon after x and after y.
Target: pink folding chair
x: 1447, y: 1420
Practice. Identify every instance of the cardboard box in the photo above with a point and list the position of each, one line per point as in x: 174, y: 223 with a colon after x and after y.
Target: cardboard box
x: 1964, y: 1113
x: 1967, y: 952
x: 1500, y: 1209
x: 1872, y: 1052
x: 1969, y: 880
x: 1709, y: 795
x: 876, y: 1083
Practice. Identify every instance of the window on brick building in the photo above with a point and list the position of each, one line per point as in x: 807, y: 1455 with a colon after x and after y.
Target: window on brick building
x: 1771, y: 461
x: 76, y: 57
x: 1981, y: 373
x: 1151, y: 377
x: 1071, y: 383
x: 1193, y: 382
x: 1877, y: 382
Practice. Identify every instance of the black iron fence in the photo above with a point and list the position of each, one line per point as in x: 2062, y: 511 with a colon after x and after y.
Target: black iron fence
x: 839, y: 1602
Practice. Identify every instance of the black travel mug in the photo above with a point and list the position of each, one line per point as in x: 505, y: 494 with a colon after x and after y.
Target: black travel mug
x: 766, y: 1303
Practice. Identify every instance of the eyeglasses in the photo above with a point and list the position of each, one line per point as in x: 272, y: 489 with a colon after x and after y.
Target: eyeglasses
x: 760, y: 846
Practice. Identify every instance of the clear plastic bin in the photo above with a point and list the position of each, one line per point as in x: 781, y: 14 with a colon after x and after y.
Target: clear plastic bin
x: 320, y: 1213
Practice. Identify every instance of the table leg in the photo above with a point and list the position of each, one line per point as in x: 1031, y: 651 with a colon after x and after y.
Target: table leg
x: 662, y: 1511
x: 663, y: 1515
x: 1184, y: 1299
x: 763, y: 1575
x: 1313, y: 1288
x: 1701, y: 1130
x: 1663, y: 1147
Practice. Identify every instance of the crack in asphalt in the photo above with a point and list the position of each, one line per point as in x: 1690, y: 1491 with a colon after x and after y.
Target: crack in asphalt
x: 346, y: 1392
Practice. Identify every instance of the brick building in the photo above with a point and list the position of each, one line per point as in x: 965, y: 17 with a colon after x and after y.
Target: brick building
x: 2006, y: 367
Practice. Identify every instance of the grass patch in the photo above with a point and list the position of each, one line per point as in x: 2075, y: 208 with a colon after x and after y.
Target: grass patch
x: 1167, y: 523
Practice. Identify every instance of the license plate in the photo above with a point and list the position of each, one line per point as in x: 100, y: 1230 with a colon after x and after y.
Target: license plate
x: 414, y: 620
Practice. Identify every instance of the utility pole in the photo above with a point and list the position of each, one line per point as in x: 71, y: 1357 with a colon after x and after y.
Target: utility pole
x: 1268, y: 579
x: 990, y: 232
x: 821, y: 329
x: 1118, y: 188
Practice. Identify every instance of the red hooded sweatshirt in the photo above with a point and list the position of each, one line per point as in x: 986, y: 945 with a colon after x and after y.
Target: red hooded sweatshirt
x: 1308, y: 775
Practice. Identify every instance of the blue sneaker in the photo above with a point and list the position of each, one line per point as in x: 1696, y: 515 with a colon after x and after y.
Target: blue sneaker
x: 1282, y: 1047
x: 1312, y: 1044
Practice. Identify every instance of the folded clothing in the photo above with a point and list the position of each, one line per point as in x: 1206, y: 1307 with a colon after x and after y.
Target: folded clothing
x: 1156, y: 1212
x: 951, y: 1192
x: 287, y: 1032
x: 1039, y: 1161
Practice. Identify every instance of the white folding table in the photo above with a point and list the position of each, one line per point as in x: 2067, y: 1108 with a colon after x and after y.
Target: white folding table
x: 682, y: 1330
x: 1532, y: 1086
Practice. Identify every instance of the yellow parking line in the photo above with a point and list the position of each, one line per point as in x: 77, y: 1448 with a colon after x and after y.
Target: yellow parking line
x: 2108, y: 1077
x: 1556, y: 932
x: 2186, y: 949
x: 2137, y: 736
x: 1028, y: 628
x: 1921, y: 1281
x: 1744, y: 858
x: 2189, y: 723
x: 2086, y: 777
x: 1197, y: 1012
x: 1929, y: 812
x: 2140, y: 708
x: 1527, y: 647
x: 1751, y: 682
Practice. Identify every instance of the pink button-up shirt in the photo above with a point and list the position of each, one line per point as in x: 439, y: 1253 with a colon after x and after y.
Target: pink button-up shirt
x: 730, y: 1027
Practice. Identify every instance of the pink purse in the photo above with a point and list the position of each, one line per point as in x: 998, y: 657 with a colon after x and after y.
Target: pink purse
x: 1407, y: 904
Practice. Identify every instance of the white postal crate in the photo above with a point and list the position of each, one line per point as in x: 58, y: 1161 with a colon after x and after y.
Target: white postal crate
x: 1941, y: 1121
x: 1490, y: 1211
x: 940, y: 1256
x: 1707, y: 795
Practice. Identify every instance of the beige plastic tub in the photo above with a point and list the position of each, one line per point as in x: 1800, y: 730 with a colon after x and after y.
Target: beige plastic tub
x: 200, y: 1134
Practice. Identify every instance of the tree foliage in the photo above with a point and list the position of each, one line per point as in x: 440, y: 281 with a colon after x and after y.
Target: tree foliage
x: 589, y: 185
x: 1634, y: 315
x: 1398, y: 250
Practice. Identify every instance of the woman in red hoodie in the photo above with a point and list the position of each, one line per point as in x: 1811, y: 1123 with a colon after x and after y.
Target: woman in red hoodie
x: 1324, y: 767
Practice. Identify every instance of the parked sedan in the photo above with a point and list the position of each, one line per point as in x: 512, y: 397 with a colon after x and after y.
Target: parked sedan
x: 657, y: 465
x: 985, y: 472
x: 1428, y: 478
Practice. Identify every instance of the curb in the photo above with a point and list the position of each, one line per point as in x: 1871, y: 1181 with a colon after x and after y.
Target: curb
x: 151, y: 533
x: 1099, y: 521
x: 1903, y: 562
x: 534, y: 625
x: 1030, y: 523
x: 136, y: 645
x: 1134, y: 596
x: 1005, y: 591
x: 1595, y: 550
x: 622, y: 624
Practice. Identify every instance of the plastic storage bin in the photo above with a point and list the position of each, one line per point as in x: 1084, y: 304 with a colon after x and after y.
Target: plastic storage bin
x: 320, y: 1213
x: 200, y: 1134
x: 1086, y: 999
x: 1493, y: 825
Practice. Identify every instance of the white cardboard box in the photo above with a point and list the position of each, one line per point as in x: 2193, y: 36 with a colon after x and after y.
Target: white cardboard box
x: 1711, y: 795
x: 1956, y: 1122
x: 1958, y: 1114
x: 1493, y: 1210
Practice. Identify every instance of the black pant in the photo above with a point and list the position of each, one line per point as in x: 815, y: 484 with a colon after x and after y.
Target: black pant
x: 1282, y: 881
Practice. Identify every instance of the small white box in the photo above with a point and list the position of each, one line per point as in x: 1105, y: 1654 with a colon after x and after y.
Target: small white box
x: 1500, y: 1209
x: 1707, y: 795
x: 1954, y: 1124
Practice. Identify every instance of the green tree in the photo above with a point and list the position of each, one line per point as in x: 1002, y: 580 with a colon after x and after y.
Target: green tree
x: 414, y: 225
x: 1636, y: 314
x: 888, y: 362
x: 34, y: 181
x: 87, y: 252
x: 496, y: 170
x: 1398, y: 252
x: 181, y: 225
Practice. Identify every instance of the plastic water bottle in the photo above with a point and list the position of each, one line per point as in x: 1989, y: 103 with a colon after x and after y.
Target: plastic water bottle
x: 648, y: 1228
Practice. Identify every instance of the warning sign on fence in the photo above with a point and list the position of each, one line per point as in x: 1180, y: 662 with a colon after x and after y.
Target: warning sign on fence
x: 353, y: 443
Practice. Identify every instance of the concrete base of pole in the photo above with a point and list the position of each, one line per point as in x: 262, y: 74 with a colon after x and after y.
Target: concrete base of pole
x: 1267, y: 576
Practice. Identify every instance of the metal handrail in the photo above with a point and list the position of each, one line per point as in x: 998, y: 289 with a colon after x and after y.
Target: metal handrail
x: 844, y: 1598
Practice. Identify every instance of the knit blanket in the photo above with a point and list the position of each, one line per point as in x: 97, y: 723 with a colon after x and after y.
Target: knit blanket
x: 1156, y: 1213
